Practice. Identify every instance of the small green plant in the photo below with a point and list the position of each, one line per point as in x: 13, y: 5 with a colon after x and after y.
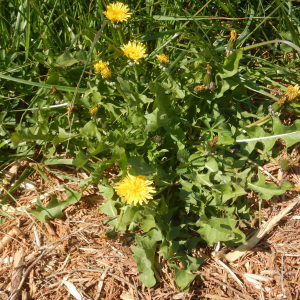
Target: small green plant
x: 55, y: 208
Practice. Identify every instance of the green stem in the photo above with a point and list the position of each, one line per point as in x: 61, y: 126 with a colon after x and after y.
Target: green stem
x: 113, y: 33
x: 121, y: 36
x: 120, y: 219
x: 268, y: 156
x: 121, y: 92
x: 260, y: 121
x: 136, y: 73
x: 259, y: 211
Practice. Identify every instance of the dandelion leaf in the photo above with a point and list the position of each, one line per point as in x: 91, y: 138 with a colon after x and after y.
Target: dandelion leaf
x: 55, y: 207
x: 162, y: 101
x: 219, y: 229
x: 184, y: 276
x: 267, y: 190
x: 144, y: 258
x: 155, y: 120
x: 65, y: 60
x: 231, y: 64
x: 289, y: 134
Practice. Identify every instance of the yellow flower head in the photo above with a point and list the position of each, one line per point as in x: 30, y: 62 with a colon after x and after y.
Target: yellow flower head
x: 199, y: 88
x: 102, y: 68
x: 73, y: 109
x: 163, y: 59
x: 134, y: 51
x: 93, y: 110
x: 214, y: 141
x: 232, y: 36
x: 117, y: 12
x: 135, y: 189
x: 292, y: 92
x: 296, y: 188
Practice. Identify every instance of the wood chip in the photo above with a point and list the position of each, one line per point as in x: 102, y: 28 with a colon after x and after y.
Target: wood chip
x: 8, y: 238
x: 72, y: 290
x: 100, y: 284
x: 18, y: 270
x: 33, y: 288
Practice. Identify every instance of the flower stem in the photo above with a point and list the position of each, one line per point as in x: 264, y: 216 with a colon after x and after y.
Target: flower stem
x: 120, y: 219
x: 136, y: 73
x: 121, y: 36
x: 113, y: 33
x: 260, y: 121
x: 121, y: 92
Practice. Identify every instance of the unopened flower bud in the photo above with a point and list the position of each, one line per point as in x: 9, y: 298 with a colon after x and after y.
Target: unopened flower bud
x: 208, y: 70
x: 285, y: 166
x: 158, y: 139
x: 206, y: 81
x: 207, y: 77
x: 212, y: 86
x: 231, y: 43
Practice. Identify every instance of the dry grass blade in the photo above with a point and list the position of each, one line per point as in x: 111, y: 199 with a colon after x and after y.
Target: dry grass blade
x: 237, y: 253
x: 230, y: 272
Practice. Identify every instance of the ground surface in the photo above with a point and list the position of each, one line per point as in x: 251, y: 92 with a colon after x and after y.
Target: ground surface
x: 72, y: 258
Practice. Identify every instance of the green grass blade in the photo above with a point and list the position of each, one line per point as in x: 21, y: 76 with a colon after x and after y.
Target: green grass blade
x: 27, y: 42
x: 42, y: 85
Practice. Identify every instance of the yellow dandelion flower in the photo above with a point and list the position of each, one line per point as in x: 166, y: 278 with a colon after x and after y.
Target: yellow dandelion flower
x: 163, y: 59
x: 134, y: 51
x: 93, y: 110
x: 296, y: 188
x: 102, y: 68
x: 199, y: 88
x: 233, y: 36
x: 117, y: 12
x: 135, y: 189
x: 106, y: 73
x: 100, y: 65
x: 292, y: 92
x: 214, y: 141
x: 73, y: 109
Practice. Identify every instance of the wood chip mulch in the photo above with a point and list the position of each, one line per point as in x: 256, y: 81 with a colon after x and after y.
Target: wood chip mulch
x: 71, y: 258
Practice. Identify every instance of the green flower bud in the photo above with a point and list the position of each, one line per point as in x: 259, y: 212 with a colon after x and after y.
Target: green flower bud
x: 285, y: 165
x: 206, y: 81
